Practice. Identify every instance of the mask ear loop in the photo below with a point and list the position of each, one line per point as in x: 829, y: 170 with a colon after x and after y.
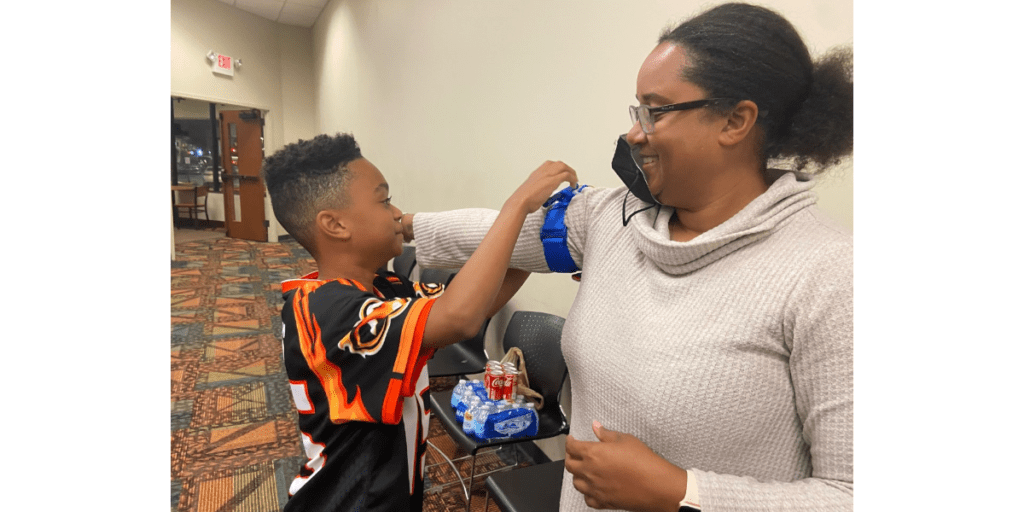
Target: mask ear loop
x: 625, y: 220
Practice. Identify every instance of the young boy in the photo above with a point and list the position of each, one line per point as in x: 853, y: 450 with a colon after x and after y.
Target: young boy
x: 355, y: 341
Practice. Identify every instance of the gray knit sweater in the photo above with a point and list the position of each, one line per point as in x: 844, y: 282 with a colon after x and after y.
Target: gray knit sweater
x: 730, y: 355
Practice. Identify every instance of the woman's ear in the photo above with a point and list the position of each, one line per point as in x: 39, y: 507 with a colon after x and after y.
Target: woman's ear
x: 739, y: 124
x: 332, y: 224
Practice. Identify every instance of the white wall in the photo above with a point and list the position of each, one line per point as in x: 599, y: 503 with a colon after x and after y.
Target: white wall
x: 456, y: 101
x: 276, y: 73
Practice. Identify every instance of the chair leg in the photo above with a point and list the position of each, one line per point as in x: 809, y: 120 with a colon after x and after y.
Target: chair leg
x: 472, y: 475
x: 454, y: 468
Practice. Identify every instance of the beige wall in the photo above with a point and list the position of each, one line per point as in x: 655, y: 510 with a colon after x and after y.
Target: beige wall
x: 456, y: 101
x: 276, y: 73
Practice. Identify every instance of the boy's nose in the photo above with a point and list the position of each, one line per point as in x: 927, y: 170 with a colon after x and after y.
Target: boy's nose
x: 397, y: 212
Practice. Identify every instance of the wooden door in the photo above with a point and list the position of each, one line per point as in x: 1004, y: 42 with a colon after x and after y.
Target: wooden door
x: 241, y: 135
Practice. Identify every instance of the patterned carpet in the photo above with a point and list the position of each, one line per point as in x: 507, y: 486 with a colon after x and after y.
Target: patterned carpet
x: 234, y: 433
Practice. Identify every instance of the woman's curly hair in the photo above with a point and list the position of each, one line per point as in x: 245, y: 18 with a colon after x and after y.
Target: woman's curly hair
x: 747, y: 52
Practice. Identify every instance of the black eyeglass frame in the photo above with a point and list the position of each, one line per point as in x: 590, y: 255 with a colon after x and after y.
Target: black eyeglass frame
x: 634, y: 110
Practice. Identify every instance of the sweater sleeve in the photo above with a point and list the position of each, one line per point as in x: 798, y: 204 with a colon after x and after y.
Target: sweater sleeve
x: 448, y: 239
x: 818, y: 326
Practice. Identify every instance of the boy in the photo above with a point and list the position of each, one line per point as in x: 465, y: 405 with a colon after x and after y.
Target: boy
x: 355, y: 341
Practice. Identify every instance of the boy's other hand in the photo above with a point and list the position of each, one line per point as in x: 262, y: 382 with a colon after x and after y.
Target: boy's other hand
x: 537, y: 188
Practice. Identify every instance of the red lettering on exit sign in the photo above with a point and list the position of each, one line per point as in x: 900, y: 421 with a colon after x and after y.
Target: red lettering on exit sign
x: 222, y: 65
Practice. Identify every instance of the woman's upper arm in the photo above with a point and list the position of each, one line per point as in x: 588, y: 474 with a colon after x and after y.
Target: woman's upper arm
x: 448, y: 239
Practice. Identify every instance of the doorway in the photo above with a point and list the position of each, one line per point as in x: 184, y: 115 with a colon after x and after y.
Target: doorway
x: 201, y: 156
x: 242, y: 153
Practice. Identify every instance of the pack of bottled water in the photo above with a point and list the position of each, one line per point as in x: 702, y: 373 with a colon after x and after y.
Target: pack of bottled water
x: 484, y: 418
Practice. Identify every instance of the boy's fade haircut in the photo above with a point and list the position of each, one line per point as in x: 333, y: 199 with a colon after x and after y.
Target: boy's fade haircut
x: 307, y: 177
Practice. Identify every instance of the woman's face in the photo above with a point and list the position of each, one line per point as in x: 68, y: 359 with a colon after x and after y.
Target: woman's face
x: 677, y: 159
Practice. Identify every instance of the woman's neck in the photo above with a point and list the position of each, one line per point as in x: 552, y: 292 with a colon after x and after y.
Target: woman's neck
x: 715, y: 208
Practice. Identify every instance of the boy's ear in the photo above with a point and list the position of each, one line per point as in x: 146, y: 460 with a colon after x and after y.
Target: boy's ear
x: 332, y: 224
x: 739, y: 123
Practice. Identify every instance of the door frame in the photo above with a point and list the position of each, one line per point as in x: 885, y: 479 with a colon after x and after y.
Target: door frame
x: 269, y: 138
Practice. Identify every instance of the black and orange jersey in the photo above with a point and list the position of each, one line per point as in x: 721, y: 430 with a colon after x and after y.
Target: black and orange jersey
x: 355, y: 367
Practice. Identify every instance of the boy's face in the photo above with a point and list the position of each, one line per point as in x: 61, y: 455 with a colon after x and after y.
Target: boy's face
x: 374, y: 222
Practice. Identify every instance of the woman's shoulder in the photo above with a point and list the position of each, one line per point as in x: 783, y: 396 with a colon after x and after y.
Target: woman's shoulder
x: 814, y: 228
x: 596, y: 195
x: 813, y: 243
x: 591, y: 201
x: 603, y: 199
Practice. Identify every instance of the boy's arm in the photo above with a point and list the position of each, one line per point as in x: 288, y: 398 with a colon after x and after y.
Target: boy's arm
x: 514, y: 279
x: 468, y: 300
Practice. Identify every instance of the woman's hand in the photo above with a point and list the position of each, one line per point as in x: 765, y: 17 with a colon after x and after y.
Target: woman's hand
x: 407, y: 227
x: 619, y: 471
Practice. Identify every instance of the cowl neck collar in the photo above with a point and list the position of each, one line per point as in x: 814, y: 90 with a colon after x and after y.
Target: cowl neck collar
x: 789, y: 193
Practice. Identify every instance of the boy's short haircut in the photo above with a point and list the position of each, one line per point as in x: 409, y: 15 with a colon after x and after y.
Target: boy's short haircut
x: 306, y: 177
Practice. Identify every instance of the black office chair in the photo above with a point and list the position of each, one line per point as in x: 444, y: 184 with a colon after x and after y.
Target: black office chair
x: 531, y: 489
x: 539, y: 336
x: 462, y: 358
x: 404, y: 263
x: 437, y: 275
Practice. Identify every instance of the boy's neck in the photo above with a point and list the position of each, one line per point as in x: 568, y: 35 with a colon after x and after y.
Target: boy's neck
x: 338, y: 268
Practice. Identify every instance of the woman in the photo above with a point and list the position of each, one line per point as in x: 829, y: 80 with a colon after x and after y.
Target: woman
x: 710, y: 345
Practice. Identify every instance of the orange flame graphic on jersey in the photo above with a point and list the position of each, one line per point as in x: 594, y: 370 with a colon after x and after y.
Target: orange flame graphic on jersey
x: 374, y: 319
x: 428, y: 290
x: 329, y: 374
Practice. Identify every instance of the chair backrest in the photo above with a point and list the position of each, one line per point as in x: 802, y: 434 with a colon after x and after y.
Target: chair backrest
x: 201, y: 193
x: 437, y: 275
x: 404, y: 262
x: 186, y: 197
x: 539, y: 336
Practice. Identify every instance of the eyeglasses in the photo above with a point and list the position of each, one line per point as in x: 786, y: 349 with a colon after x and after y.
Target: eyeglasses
x: 643, y: 113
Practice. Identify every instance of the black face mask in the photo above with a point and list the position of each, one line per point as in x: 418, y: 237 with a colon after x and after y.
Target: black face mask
x: 625, y: 165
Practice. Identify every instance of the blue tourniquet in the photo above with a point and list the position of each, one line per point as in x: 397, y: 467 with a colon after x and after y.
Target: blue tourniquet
x: 553, y: 234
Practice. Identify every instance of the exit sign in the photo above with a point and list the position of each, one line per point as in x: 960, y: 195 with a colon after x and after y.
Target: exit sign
x: 222, y: 64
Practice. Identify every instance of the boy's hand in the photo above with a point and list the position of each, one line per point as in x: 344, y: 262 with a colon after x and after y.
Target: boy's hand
x: 532, y: 194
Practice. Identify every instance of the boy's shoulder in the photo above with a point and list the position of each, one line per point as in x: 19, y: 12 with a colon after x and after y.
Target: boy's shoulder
x: 386, y: 285
x: 393, y: 285
x: 390, y: 285
x: 310, y: 283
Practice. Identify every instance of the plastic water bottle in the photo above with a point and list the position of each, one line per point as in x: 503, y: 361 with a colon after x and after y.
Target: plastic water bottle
x: 531, y: 411
x: 464, y: 406
x: 473, y: 412
x: 457, y: 392
x: 468, y: 391
x: 479, y: 420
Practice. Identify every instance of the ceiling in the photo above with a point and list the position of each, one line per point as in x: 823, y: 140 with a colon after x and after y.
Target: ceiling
x: 300, y: 13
